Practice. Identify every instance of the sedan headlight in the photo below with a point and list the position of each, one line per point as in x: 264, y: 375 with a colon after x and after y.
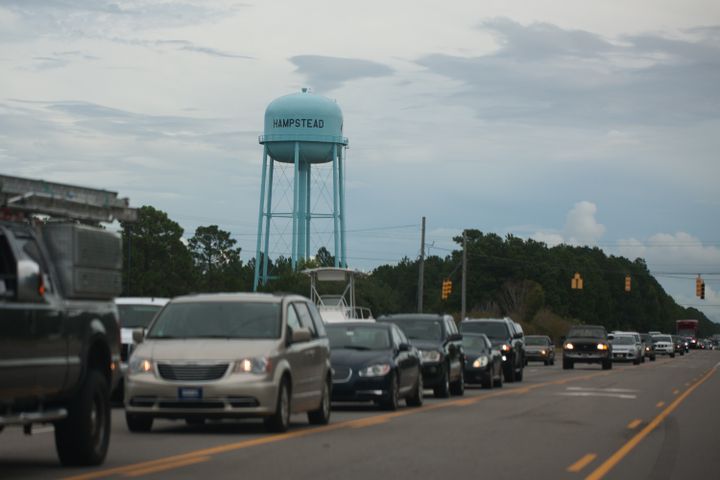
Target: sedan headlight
x: 257, y: 365
x: 480, y: 362
x: 140, y: 365
x: 569, y: 346
x: 375, y: 370
x: 602, y: 346
x: 430, y: 356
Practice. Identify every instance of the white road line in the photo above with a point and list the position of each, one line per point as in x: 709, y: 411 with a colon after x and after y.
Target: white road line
x: 609, y: 390
x: 624, y: 396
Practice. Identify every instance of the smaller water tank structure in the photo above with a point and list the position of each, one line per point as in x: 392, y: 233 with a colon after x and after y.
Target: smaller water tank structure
x: 302, y: 129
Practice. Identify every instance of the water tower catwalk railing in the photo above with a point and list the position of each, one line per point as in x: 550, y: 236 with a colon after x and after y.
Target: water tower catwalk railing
x: 301, y: 215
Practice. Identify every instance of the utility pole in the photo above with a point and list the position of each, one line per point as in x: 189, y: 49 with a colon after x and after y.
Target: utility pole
x: 464, y: 279
x: 421, y: 279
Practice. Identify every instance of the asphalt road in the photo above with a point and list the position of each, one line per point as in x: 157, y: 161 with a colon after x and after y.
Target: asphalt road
x: 657, y: 420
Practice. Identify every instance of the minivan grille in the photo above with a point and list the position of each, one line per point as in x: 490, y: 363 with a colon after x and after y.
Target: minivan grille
x: 192, y: 373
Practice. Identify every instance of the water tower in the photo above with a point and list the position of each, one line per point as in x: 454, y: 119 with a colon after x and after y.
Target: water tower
x: 302, y: 130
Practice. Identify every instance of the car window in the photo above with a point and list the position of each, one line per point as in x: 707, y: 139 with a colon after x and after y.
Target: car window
x: 304, y: 316
x: 317, y: 320
x: 137, y: 316
x: 292, y: 318
x: 359, y: 337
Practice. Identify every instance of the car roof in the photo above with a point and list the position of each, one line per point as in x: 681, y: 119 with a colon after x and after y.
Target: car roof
x: 385, y: 326
x: 494, y: 320
x: 160, y: 301
x: 237, y: 297
x: 412, y: 316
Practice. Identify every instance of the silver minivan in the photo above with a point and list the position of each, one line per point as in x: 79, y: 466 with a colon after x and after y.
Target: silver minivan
x: 230, y: 355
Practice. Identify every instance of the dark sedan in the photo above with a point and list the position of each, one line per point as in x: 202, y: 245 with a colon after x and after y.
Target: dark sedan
x: 374, y: 361
x: 483, y: 364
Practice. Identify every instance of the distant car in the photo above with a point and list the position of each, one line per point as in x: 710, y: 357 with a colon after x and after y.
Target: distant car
x: 134, y: 313
x: 231, y: 355
x: 680, y: 346
x: 374, y: 361
x: 639, y: 347
x: 664, y: 345
x: 648, y: 346
x: 441, y: 351
x: 587, y: 344
x: 483, y: 363
x: 539, y: 348
x: 504, y: 336
x: 625, y: 348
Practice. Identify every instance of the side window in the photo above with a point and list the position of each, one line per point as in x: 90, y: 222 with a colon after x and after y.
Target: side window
x: 292, y: 318
x: 396, y: 336
x: 305, y: 319
x: 317, y: 320
x: 488, y: 345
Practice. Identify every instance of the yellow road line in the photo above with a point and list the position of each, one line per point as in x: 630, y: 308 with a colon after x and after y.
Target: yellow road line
x: 378, y: 419
x: 368, y: 422
x: 616, y: 457
x: 166, y: 466
x: 660, y: 404
x: 582, y: 463
x: 634, y: 424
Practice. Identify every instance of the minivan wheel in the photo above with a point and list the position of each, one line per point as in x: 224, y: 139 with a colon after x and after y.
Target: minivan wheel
x: 321, y: 416
x: 280, y: 420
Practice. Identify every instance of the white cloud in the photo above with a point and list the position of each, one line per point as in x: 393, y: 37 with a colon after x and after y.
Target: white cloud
x: 581, y: 227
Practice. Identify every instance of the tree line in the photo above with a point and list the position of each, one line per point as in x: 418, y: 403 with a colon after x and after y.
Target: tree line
x: 522, y: 278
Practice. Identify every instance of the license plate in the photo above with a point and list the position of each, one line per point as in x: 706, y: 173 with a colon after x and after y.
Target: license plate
x: 189, y: 393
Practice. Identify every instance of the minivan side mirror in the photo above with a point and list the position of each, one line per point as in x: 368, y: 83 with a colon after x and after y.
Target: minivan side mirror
x: 138, y: 335
x: 301, y: 335
x: 30, y: 282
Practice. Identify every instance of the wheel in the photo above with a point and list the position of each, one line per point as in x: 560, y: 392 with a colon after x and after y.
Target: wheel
x: 519, y: 375
x: 546, y: 362
x: 636, y: 361
x: 509, y: 371
x: 321, y: 416
x: 499, y: 382
x: 607, y: 364
x: 443, y: 390
x: 392, y: 401
x: 487, y: 382
x: 672, y: 355
x: 643, y: 359
x: 137, y: 422
x: 457, y: 388
x: 83, y: 437
x: 652, y: 359
x: 552, y: 361
x: 279, y: 421
x: 567, y: 364
x: 194, y: 421
x: 416, y: 399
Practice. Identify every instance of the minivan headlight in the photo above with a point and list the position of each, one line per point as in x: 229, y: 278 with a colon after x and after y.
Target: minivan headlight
x: 375, y: 370
x: 256, y: 365
x: 430, y: 356
x: 140, y: 365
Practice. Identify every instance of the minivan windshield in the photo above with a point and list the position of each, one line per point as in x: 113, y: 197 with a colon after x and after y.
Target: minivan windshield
x: 358, y: 338
x: 137, y: 316
x: 218, y: 320
x: 493, y: 330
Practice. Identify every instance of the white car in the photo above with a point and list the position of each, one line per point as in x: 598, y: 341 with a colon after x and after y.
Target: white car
x: 134, y: 312
x: 625, y: 347
x: 664, y: 345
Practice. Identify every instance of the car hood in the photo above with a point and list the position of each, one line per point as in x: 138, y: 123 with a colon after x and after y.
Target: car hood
x: 623, y: 348
x: 352, y: 358
x: 427, y: 344
x: 205, y: 349
x: 536, y: 348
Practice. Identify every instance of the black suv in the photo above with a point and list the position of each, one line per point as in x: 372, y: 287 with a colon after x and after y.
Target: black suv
x: 506, y: 336
x: 587, y: 344
x: 441, y: 351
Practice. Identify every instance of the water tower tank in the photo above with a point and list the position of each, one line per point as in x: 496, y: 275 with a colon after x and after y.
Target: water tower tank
x: 315, y: 120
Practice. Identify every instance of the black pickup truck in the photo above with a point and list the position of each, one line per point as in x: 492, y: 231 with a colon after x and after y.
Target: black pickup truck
x: 59, y: 331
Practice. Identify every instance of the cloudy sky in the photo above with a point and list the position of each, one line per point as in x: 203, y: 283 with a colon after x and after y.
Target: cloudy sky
x: 591, y: 123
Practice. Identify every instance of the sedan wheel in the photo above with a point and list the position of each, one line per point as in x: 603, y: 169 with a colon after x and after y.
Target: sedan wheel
x: 392, y: 401
x: 416, y: 400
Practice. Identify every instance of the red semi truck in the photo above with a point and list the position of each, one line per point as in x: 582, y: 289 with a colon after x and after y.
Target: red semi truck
x: 688, y: 328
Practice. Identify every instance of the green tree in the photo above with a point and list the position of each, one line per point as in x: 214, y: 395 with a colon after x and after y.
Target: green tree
x: 217, y: 260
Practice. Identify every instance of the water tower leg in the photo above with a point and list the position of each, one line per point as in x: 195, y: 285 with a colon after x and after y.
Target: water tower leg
x: 308, y: 212
x: 260, y: 222
x: 268, y: 215
x: 296, y: 213
x: 341, y: 175
x: 302, y: 211
x: 336, y: 208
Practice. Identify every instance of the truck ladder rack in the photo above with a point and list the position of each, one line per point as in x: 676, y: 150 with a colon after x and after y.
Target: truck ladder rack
x: 61, y: 200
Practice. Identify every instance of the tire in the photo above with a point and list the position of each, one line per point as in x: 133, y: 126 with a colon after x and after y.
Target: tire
x: 567, y: 364
x: 636, y: 361
x: 416, y: 399
x: 652, y: 359
x: 321, y: 416
x: 488, y: 382
x: 457, y: 388
x: 499, y: 382
x: 607, y: 364
x: 672, y: 355
x: 443, y: 390
x: 519, y: 375
x: 279, y: 421
x: 509, y: 372
x: 139, y: 423
x: 552, y: 361
x: 392, y: 401
x: 83, y: 437
x: 546, y: 362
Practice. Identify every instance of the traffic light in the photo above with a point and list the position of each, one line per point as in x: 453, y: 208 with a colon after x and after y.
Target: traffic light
x: 702, y: 291
x: 577, y: 282
x: 446, y: 289
x: 698, y: 286
x: 628, y: 283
